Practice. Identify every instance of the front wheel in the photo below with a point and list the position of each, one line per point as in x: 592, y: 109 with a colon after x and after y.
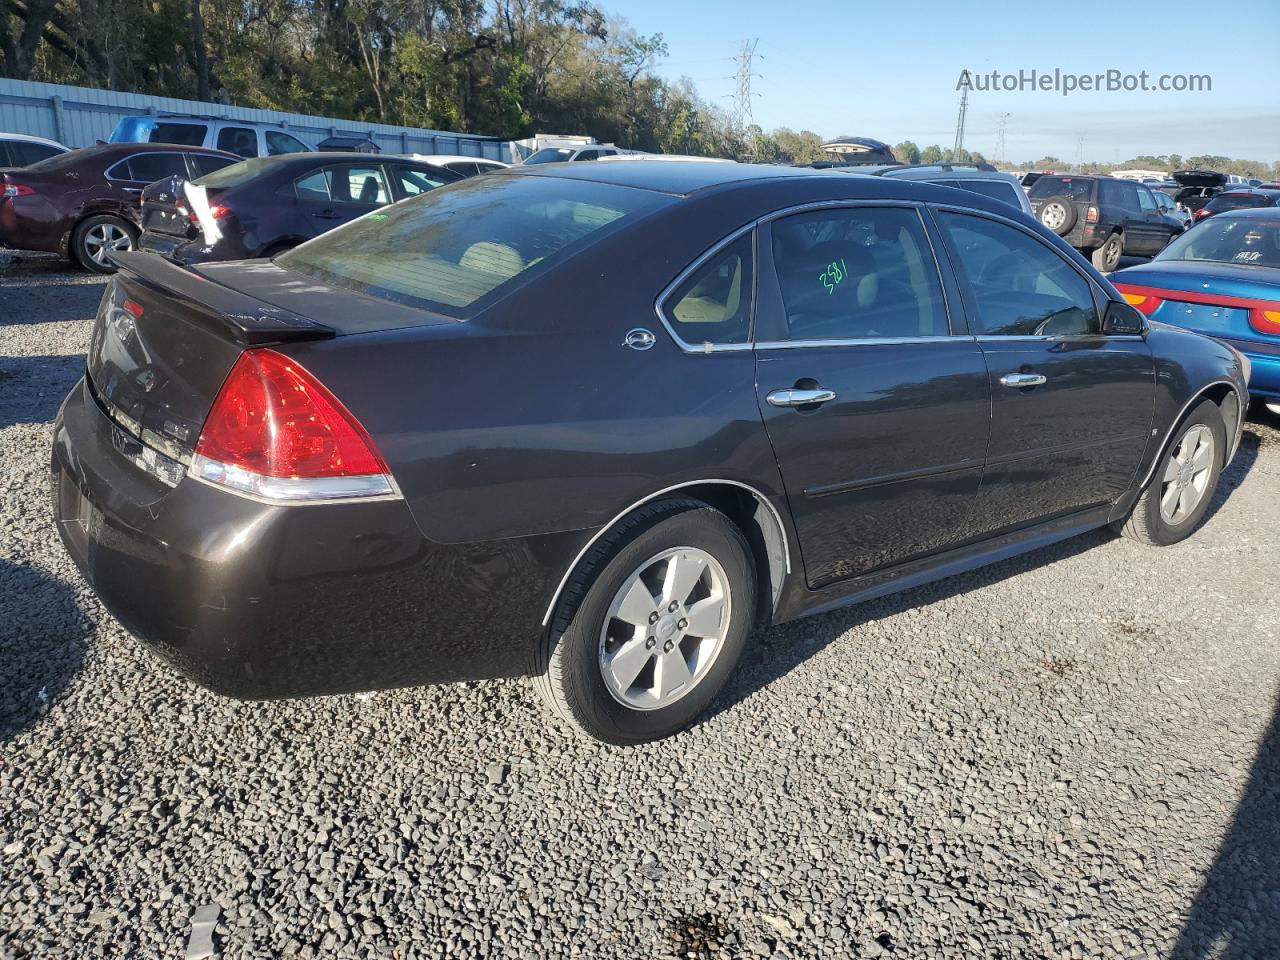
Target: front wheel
x: 1178, y: 496
x: 96, y: 237
x: 667, y: 602
x: 1107, y: 257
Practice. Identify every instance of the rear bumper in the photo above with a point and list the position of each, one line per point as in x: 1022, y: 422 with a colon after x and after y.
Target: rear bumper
x: 257, y: 601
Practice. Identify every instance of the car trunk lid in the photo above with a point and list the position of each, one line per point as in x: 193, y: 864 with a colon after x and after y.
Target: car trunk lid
x: 164, y: 340
x: 1200, y: 178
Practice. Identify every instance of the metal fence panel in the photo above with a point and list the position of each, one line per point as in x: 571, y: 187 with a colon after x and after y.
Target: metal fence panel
x: 80, y: 116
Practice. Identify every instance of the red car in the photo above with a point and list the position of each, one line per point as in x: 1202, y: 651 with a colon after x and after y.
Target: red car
x: 86, y: 204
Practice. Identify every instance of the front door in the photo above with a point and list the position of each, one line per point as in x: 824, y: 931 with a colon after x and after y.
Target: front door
x: 877, y: 412
x: 1071, y: 409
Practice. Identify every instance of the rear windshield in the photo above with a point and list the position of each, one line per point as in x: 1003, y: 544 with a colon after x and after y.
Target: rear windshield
x: 1236, y: 201
x: 452, y: 248
x: 237, y: 173
x: 1073, y: 188
x: 550, y: 155
x: 995, y: 189
x: 1246, y: 240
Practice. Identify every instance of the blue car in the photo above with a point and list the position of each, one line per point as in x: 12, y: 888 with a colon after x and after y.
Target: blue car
x: 1221, y: 278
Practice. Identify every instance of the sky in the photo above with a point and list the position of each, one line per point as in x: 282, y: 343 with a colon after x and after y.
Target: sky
x: 890, y: 72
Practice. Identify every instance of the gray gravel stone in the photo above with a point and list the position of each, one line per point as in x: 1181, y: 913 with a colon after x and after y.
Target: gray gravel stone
x: 1073, y: 753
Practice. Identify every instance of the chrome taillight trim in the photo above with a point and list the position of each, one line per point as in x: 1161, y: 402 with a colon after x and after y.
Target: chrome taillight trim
x: 292, y: 491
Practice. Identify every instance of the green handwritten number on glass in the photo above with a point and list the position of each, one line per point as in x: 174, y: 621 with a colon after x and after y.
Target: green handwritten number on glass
x: 834, y: 275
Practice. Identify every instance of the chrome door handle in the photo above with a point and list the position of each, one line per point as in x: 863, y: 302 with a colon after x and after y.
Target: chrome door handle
x: 1023, y: 379
x: 799, y: 398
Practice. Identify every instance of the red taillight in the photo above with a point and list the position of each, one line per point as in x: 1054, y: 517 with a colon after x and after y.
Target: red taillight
x: 1265, y: 321
x: 1145, y: 303
x: 277, y: 433
x: 1202, y: 212
x: 133, y: 308
x: 1091, y: 215
x: 16, y: 190
x: 216, y: 211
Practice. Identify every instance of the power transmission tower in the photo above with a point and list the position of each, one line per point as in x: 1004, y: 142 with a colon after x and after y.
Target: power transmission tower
x: 964, y: 109
x: 742, y: 117
x: 1004, y: 119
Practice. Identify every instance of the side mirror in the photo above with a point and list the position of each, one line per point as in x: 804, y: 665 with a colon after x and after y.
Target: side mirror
x: 1123, y: 320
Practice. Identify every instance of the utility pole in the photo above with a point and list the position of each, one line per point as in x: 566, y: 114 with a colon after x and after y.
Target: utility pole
x: 742, y: 116
x: 1080, y: 152
x: 964, y: 109
x: 1004, y: 119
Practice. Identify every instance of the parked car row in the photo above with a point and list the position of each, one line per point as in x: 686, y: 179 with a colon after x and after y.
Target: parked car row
x: 91, y: 203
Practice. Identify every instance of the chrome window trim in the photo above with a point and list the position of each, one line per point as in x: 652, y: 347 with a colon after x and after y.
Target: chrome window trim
x: 760, y: 498
x: 862, y: 342
x: 659, y: 305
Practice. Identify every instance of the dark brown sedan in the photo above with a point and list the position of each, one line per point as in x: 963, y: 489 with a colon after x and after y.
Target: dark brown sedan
x: 86, y: 203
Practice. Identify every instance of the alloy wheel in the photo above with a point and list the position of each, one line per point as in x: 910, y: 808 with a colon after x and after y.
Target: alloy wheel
x: 104, y: 238
x: 1186, y: 478
x: 666, y: 625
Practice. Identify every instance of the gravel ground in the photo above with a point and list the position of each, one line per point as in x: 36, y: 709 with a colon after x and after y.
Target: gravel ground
x: 1072, y: 754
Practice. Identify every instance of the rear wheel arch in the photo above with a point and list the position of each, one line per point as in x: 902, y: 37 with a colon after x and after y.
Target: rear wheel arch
x: 749, y: 510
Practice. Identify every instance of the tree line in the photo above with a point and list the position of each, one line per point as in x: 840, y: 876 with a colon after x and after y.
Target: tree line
x: 509, y: 68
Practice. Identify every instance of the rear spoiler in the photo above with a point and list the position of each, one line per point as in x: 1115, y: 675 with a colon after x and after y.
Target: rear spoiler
x: 237, y: 315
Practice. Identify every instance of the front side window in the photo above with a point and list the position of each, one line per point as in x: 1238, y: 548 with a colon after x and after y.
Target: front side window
x: 550, y: 155
x: 364, y: 185
x: 858, y: 273
x: 238, y: 140
x: 713, y: 305
x: 1020, y: 287
x: 456, y: 250
x: 281, y: 143
x: 588, y: 155
x: 150, y: 167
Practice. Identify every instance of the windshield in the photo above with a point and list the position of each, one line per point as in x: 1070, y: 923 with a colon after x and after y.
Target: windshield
x: 237, y: 173
x: 1247, y: 241
x: 449, y: 249
x: 550, y: 155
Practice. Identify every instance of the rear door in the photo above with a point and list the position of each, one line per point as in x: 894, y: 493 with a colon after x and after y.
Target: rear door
x: 1071, y: 409
x: 1159, y: 230
x: 135, y: 173
x: 876, y: 405
x: 339, y: 193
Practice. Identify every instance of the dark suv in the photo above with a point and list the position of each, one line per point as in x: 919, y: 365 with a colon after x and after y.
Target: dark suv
x: 1103, y: 217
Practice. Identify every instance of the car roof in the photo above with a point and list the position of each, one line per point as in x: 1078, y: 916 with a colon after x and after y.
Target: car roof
x: 679, y: 177
x: 937, y: 171
x: 447, y: 158
x: 28, y: 138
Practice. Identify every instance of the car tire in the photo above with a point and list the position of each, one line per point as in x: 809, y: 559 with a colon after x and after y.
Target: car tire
x: 1107, y: 257
x: 1058, y: 214
x: 94, y: 237
x: 589, y: 631
x: 1151, y: 521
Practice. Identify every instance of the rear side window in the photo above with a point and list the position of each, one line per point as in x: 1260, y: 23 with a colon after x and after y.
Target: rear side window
x: 1020, y: 287
x: 1073, y: 188
x: 588, y: 155
x: 238, y: 140
x: 1000, y: 190
x: 150, y: 167
x: 858, y: 273
x: 204, y: 163
x: 415, y: 180
x: 458, y: 249
x: 184, y: 134
x: 713, y: 305
x: 314, y: 186
x: 24, y: 154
